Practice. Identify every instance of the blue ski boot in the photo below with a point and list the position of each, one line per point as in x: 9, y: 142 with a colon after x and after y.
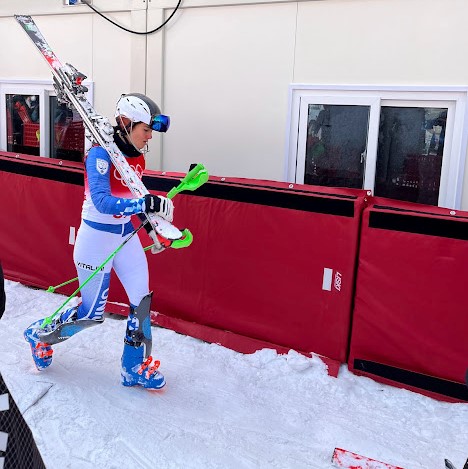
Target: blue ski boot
x: 138, y: 371
x: 41, y: 351
x: 138, y: 366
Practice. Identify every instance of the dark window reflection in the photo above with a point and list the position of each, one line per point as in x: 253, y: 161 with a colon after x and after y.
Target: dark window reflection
x: 67, y: 135
x: 336, y: 145
x: 23, y: 123
x: 409, y: 157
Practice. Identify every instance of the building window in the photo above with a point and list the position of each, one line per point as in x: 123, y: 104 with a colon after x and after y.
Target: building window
x: 409, y: 154
x: 403, y: 144
x: 67, y: 133
x: 37, y: 124
x: 22, y: 116
x: 336, y: 142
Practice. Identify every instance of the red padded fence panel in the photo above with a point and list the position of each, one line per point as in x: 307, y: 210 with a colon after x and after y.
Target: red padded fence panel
x: 270, y: 263
x: 257, y: 270
x: 410, y: 320
x: 38, y: 214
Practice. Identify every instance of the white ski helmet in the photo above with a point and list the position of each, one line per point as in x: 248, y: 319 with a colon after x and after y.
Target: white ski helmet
x: 139, y: 108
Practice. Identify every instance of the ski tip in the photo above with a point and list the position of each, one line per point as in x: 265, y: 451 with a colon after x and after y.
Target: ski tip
x: 449, y: 465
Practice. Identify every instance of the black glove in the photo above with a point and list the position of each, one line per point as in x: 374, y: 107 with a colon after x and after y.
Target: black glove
x: 159, y: 205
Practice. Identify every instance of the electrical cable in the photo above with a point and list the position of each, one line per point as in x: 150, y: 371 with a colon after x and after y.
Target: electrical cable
x: 129, y: 30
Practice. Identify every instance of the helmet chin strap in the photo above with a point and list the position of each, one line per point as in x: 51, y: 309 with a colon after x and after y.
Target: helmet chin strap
x: 143, y: 150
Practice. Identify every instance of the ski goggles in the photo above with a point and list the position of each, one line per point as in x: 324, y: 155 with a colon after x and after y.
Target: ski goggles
x: 160, y: 123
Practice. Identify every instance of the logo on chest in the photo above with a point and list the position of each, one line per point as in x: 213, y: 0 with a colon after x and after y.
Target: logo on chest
x: 138, y: 171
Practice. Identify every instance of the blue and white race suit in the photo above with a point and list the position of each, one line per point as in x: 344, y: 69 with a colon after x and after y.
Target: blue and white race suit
x: 107, y: 209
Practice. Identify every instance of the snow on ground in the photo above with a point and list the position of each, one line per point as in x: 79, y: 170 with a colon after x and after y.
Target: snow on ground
x: 220, y: 409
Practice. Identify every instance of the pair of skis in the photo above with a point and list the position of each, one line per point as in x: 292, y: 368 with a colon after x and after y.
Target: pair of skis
x: 68, y: 83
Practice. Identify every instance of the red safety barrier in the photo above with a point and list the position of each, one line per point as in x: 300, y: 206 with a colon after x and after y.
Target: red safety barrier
x: 410, y: 318
x: 270, y: 261
x: 271, y: 264
x: 41, y: 200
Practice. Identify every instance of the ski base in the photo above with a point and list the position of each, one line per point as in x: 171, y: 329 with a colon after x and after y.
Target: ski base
x: 166, y: 229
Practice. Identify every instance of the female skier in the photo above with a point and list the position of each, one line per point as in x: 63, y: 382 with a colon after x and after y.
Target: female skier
x: 107, y: 208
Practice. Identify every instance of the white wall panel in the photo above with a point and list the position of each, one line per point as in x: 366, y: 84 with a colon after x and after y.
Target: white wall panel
x: 226, y: 80
x: 119, y: 59
x: 20, y: 59
x: 397, y: 42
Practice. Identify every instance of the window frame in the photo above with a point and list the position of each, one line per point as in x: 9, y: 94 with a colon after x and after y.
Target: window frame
x: 455, y: 151
x: 44, y: 89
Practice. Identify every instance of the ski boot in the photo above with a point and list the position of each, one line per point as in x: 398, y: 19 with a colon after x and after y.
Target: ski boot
x: 41, y: 351
x: 138, y: 371
x: 138, y: 366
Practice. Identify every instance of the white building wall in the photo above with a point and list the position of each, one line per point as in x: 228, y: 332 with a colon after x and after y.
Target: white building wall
x: 226, y: 79
x: 222, y: 72
x: 382, y: 42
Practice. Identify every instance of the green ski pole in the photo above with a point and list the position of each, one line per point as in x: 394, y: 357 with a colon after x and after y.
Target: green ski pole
x: 195, y: 178
x: 49, y: 319
x: 51, y: 289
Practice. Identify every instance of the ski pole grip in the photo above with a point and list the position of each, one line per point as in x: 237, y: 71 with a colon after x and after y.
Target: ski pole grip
x: 192, y: 180
x: 183, y: 242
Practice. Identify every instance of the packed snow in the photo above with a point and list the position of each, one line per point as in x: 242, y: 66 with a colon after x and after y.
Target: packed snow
x: 220, y: 408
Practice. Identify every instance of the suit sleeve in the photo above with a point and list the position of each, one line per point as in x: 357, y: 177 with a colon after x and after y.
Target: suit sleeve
x: 98, y: 167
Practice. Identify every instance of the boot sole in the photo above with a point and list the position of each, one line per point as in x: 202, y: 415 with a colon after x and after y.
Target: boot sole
x: 130, y: 384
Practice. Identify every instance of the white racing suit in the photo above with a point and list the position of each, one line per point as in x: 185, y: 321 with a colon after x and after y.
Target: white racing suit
x: 107, y: 208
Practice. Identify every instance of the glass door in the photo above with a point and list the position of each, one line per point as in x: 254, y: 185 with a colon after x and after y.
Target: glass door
x: 67, y: 132
x: 411, y: 148
x: 23, y: 119
x: 402, y: 143
x: 33, y: 122
x: 22, y: 123
x: 335, y: 137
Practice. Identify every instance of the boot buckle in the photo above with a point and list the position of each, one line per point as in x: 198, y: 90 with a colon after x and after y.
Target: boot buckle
x: 151, y: 369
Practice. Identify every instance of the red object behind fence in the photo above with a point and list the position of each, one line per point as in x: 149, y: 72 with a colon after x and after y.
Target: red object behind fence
x: 67, y: 137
